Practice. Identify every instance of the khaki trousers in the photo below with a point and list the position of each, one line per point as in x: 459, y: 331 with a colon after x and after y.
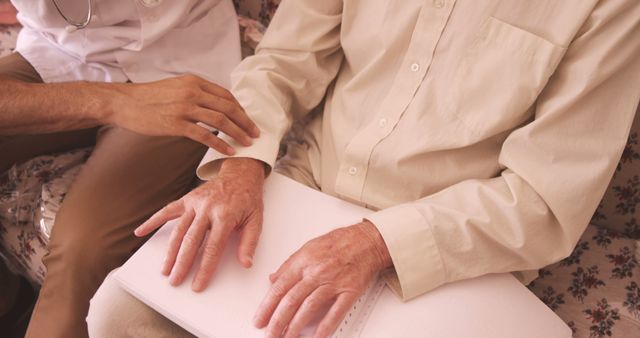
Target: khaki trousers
x: 127, y: 178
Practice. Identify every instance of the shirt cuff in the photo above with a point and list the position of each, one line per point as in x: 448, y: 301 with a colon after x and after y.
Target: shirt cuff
x: 413, y: 249
x: 264, y: 148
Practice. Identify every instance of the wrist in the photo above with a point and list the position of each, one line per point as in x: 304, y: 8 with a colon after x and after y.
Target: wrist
x: 376, y: 243
x: 245, y: 165
x: 101, y: 100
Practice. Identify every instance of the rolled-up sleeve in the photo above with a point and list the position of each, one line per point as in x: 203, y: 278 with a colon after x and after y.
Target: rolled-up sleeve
x: 287, y: 77
x: 555, y: 170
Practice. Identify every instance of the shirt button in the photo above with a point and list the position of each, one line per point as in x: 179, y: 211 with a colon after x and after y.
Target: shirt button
x: 382, y: 123
x: 415, y: 67
x: 439, y: 3
x: 353, y: 171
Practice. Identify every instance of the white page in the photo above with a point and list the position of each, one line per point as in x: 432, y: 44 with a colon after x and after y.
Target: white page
x: 492, y: 306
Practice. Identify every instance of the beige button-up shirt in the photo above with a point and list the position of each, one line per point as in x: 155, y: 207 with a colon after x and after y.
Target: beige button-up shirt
x: 484, y: 133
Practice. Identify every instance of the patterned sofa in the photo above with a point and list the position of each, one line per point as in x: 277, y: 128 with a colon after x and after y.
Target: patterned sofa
x: 596, y: 290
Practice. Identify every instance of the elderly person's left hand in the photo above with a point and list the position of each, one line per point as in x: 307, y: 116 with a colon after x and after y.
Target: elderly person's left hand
x: 331, y: 270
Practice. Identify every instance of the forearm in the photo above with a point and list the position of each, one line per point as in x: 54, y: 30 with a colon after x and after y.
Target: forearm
x: 274, y: 86
x: 27, y: 108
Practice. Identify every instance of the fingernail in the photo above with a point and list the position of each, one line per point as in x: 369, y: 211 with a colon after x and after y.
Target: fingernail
x: 196, y: 286
x: 248, y: 141
x: 255, y: 132
x: 257, y: 322
x: 173, y: 280
x: 165, y: 269
x: 248, y: 261
x: 231, y: 151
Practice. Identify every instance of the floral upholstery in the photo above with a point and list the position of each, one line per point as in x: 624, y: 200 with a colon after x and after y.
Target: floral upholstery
x: 30, y: 196
x: 8, y: 37
x: 620, y: 209
x: 596, y: 290
x: 261, y: 10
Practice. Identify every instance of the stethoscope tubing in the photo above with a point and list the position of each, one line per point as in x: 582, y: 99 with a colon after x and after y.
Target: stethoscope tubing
x: 76, y: 26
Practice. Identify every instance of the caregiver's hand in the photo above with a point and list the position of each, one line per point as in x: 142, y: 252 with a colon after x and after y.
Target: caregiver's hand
x: 175, y: 106
x: 333, y: 269
x: 230, y: 202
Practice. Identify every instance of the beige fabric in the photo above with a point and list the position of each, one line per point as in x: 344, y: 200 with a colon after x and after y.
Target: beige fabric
x: 114, y: 313
x: 483, y: 132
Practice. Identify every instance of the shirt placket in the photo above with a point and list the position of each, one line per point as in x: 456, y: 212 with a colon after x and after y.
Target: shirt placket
x: 352, y: 172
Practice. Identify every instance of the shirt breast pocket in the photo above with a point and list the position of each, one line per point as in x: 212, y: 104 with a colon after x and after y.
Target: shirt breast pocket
x: 500, y: 77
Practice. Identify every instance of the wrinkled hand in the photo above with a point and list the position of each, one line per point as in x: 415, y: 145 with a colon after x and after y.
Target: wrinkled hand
x: 174, y: 106
x: 231, y: 201
x: 333, y: 269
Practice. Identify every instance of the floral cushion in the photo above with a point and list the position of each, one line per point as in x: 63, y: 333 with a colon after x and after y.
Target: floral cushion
x: 251, y: 32
x: 8, y: 37
x: 596, y: 290
x: 261, y: 10
x: 619, y: 209
x: 30, y: 196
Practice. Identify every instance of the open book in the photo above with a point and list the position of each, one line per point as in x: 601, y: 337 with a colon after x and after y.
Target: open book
x: 492, y: 306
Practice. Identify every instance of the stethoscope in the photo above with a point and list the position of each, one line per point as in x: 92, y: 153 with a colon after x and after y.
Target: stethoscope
x: 74, y: 26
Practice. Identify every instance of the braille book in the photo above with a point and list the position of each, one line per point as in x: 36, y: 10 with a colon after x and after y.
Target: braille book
x: 491, y: 306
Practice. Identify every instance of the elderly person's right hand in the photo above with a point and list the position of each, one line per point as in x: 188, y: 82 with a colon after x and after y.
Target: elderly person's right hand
x: 232, y: 201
